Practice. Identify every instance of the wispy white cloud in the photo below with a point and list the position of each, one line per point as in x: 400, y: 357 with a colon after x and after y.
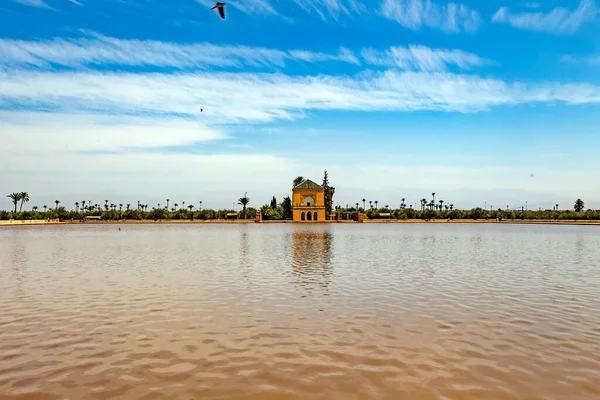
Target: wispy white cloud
x: 559, y: 20
x: 332, y: 8
x: 107, y: 50
x: 422, y: 58
x: 243, y: 97
x: 33, y: 3
x: 85, y: 52
x: 593, y: 59
x: 92, y: 132
x: 415, y: 14
x: 531, y: 5
x: 344, y: 54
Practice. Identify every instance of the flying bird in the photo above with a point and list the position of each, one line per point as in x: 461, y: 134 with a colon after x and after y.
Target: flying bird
x: 221, y: 7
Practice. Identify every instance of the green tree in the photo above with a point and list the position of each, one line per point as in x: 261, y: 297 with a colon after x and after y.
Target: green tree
x: 297, y: 181
x: 244, y: 201
x: 24, y: 197
x: 15, y: 197
x: 273, y: 203
x: 329, y: 192
x: 287, y: 207
x: 578, y: 206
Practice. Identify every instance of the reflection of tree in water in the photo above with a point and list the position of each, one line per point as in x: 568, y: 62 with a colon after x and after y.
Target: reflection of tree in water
x: 245, y: 264
x: 311, y: 264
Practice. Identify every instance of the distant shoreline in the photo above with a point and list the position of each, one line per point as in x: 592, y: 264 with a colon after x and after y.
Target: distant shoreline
x: 251, y: 221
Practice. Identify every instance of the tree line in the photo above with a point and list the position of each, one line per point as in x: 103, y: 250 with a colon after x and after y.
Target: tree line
x: 282, y: 210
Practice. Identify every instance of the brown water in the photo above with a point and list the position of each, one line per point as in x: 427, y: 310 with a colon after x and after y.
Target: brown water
x: 395, y: 311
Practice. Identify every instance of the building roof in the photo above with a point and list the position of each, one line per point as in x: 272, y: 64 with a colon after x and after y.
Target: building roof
x: 308, y: 184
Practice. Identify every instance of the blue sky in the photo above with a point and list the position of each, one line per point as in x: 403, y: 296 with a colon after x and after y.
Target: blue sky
x: 395, y: 98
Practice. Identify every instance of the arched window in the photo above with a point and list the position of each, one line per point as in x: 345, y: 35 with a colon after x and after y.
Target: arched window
x: 315, y: 216
x: 308, y: 201
x: 309, y: 216
x: 302, y: 216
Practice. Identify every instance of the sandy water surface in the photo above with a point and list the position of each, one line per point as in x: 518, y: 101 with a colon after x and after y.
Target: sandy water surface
x: 284, y: 311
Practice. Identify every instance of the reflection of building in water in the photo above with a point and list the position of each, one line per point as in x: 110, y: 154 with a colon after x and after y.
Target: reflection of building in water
x: 312, y: 265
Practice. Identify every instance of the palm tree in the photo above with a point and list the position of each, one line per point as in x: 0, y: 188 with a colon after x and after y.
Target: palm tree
x: 402, y: 205
x: 557, y: 207
x: 15, y: 197
x: 24, y: 197
x: 167, y: 207
x: 183, y: 204
x: 106, y: 205
x: 364, y: 200
x: 376, y: 202
x: 35, y: 208
x: 45, y: 207
x: 120, y: 207
x: 200, y: 204
x: 387, y: 206
x: 441, y: 204
x: 357, y: 206
x: 370, y: 203
x: 76, y: 206
x: 452, y: 206
x: 83, y: 205
x: 244, y: 201
x: 297, y: 181
x: 423, y: 202
x: 433, y: 200
x: 176, y: 205
x: 57, y: 202
x: 127, y: 205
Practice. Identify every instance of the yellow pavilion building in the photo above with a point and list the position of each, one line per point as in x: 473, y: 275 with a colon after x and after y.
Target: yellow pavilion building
x: 308, y: 201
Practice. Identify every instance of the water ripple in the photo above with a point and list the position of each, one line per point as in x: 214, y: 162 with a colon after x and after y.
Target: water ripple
x: 283, y: 311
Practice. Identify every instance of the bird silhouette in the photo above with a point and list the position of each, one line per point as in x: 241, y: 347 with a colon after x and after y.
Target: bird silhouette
x: 221, y: 7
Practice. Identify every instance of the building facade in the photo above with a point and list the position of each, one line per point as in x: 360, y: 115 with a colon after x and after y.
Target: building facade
x: 308, y: 201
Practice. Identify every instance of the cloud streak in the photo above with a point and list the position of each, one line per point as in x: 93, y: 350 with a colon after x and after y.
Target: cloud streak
x: 593, y: 59
x: 422, y: 58
x: 416, y: 14
x: 559, y: 20
x: 86, y: 52
x: 106, y: 50
x: 33, y: 3
x: 332, y: 8
x: 243, y: 97
x: 24, y: 130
